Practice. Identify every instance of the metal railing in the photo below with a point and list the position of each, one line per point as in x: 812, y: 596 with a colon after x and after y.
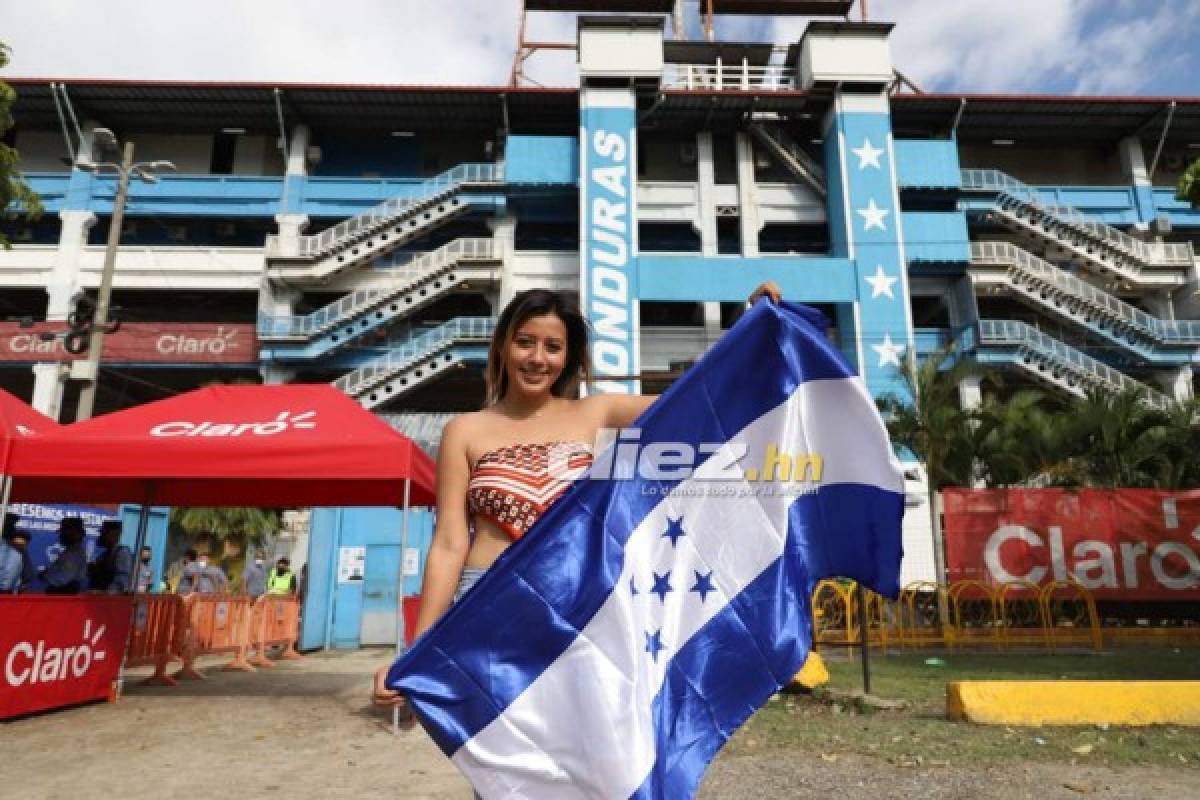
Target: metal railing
x: 420, y: 268
x: 1021, y: 334
x: 425, y: 429
x: 1005, y: 253
x: 428, y: 191
x: 1148, y: 253
x: 740, y: 77
x: 455, y: 331
x: 785, y: 148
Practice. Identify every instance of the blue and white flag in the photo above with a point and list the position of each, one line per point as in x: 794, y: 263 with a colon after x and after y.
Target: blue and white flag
x: 612, y: 650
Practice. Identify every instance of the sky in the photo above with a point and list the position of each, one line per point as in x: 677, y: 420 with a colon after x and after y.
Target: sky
x: 1091, y: 47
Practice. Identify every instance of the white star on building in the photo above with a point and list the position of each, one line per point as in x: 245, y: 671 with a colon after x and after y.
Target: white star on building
x: 873, y: 216
x: 868, y: 155
x: 881, y: 283
x: 889, y: 352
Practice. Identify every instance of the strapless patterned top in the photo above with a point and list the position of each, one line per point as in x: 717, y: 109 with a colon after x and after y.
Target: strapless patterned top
x: 513, y: 486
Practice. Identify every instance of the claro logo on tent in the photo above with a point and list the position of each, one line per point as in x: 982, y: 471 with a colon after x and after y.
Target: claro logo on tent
x: 30, y: 663
x: 284, y: 421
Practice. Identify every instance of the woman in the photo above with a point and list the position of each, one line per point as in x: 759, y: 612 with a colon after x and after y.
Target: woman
x: 534, y: 424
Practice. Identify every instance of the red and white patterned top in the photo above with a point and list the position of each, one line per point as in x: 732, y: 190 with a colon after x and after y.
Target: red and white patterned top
x: 513, y: 486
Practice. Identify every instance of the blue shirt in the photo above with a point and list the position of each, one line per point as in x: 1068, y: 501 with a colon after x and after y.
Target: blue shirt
x: 71, y: 565
x: 12, y: 564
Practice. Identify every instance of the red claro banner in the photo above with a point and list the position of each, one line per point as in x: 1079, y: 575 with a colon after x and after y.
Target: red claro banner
x: 59, y: 651
x: 140, y: 342
x: 1122, y: 544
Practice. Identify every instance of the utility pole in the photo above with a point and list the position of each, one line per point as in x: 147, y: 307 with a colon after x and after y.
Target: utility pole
x: 87, y: 395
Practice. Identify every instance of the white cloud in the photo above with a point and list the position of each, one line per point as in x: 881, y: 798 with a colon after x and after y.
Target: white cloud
x: 965, y: 45
x: 1082, y: 46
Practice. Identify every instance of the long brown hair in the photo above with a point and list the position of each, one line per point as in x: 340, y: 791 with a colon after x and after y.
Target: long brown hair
x: 537, y: 303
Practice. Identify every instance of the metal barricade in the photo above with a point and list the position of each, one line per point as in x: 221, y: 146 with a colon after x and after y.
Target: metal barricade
x: 152, y: 638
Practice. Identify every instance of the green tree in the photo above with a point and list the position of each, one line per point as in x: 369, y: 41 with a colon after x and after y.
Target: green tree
x: 938, y: 432
x: 16, y: 198
x: 1119, y: 441
x: 1026, y: 442
x: 1188, y: 189
x: 1180, y: 438
x: 239, y: 527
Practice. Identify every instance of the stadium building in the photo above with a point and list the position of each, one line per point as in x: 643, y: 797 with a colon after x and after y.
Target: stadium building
x: 368, y: 235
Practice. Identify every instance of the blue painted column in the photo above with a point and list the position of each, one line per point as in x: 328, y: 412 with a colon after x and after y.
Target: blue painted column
x: 608, y: 289
x: 865, y: 226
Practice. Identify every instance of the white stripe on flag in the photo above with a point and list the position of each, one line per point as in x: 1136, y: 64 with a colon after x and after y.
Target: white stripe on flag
x: 583, y: 729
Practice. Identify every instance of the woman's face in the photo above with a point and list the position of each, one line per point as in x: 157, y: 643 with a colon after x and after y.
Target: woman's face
x: 535, y: 357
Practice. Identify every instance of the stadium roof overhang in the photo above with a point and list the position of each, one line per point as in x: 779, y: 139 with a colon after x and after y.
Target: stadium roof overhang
x: 1044, y: 120
x: 174, y: 107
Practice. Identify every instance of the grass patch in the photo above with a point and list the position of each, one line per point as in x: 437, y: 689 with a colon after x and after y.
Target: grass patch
x: 919, y: 735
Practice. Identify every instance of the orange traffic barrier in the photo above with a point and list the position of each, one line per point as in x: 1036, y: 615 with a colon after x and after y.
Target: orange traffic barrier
x: 152, y: 637
x: 214, y: 624
x: 274, y: 621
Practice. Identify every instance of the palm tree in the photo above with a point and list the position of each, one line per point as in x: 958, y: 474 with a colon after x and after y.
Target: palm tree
x: 1180, y: 439
x: 1118, y: 440
x: 1028, y: 443
x: 937, y: 431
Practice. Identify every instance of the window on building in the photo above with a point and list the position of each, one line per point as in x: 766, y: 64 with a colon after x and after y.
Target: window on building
x: 224, y: 148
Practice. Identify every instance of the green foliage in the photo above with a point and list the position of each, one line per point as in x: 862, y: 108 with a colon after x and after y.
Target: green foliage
x: 1188, y: 189
x: 253, y: 526
x: 1104, y: 440
x: 16, y: 198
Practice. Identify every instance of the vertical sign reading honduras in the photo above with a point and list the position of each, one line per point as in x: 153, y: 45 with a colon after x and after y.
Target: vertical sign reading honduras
x: 608, y: 235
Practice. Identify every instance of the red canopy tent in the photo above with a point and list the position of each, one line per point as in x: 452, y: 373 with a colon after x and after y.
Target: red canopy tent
x: 266, y: 446
x: 17, y: 421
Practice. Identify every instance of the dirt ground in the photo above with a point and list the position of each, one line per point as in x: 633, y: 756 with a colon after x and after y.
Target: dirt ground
x: 305, y: 730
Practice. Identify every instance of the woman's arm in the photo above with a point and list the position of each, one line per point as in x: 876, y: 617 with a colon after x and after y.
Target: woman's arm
x: 620, y: 410
x: 451, y: 539
x: 447, y: 551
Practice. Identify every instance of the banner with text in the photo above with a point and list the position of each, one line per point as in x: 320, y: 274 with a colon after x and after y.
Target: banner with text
x: 138, y: 343
x: 59, y: 651
x: 1122, y: 544
x: 608, y: 285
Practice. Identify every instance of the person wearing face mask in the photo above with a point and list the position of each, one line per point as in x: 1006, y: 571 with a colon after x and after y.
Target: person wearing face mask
x: 200, y: 575
x: 112, y: 570
x: 254, y: 577
x: 145, y: 581
x: 66, y: 574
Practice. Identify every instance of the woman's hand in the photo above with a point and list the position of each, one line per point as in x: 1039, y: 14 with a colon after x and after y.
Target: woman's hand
x: 769, y: 290
x: 383, y: 696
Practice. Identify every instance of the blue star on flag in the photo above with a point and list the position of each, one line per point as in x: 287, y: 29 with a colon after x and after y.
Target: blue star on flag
x: 654, y: 644
x: 674, y: 530
x: 703, y: 585
x: 633, y: 590
x: 662, y: 585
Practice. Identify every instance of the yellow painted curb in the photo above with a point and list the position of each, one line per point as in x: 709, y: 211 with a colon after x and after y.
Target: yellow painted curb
x: 1074, y: 702
x: 812, y: 674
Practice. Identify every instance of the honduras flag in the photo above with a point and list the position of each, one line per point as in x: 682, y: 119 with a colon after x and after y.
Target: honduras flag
x: 612, y: 650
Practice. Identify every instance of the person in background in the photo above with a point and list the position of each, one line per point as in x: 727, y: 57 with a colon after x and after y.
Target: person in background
x: 66, y: 574
x: 254, y: 577
x: 175, y: 572
x: 112, y: 571
x: 13, y: 556
x: 201, y: 576
x: 282, y: 580
x: 145, y: 581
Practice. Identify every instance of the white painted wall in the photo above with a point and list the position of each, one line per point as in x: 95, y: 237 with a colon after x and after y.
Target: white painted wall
x: 164, y: 268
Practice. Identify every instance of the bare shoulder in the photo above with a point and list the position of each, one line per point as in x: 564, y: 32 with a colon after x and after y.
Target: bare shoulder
x: 461, y: 429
